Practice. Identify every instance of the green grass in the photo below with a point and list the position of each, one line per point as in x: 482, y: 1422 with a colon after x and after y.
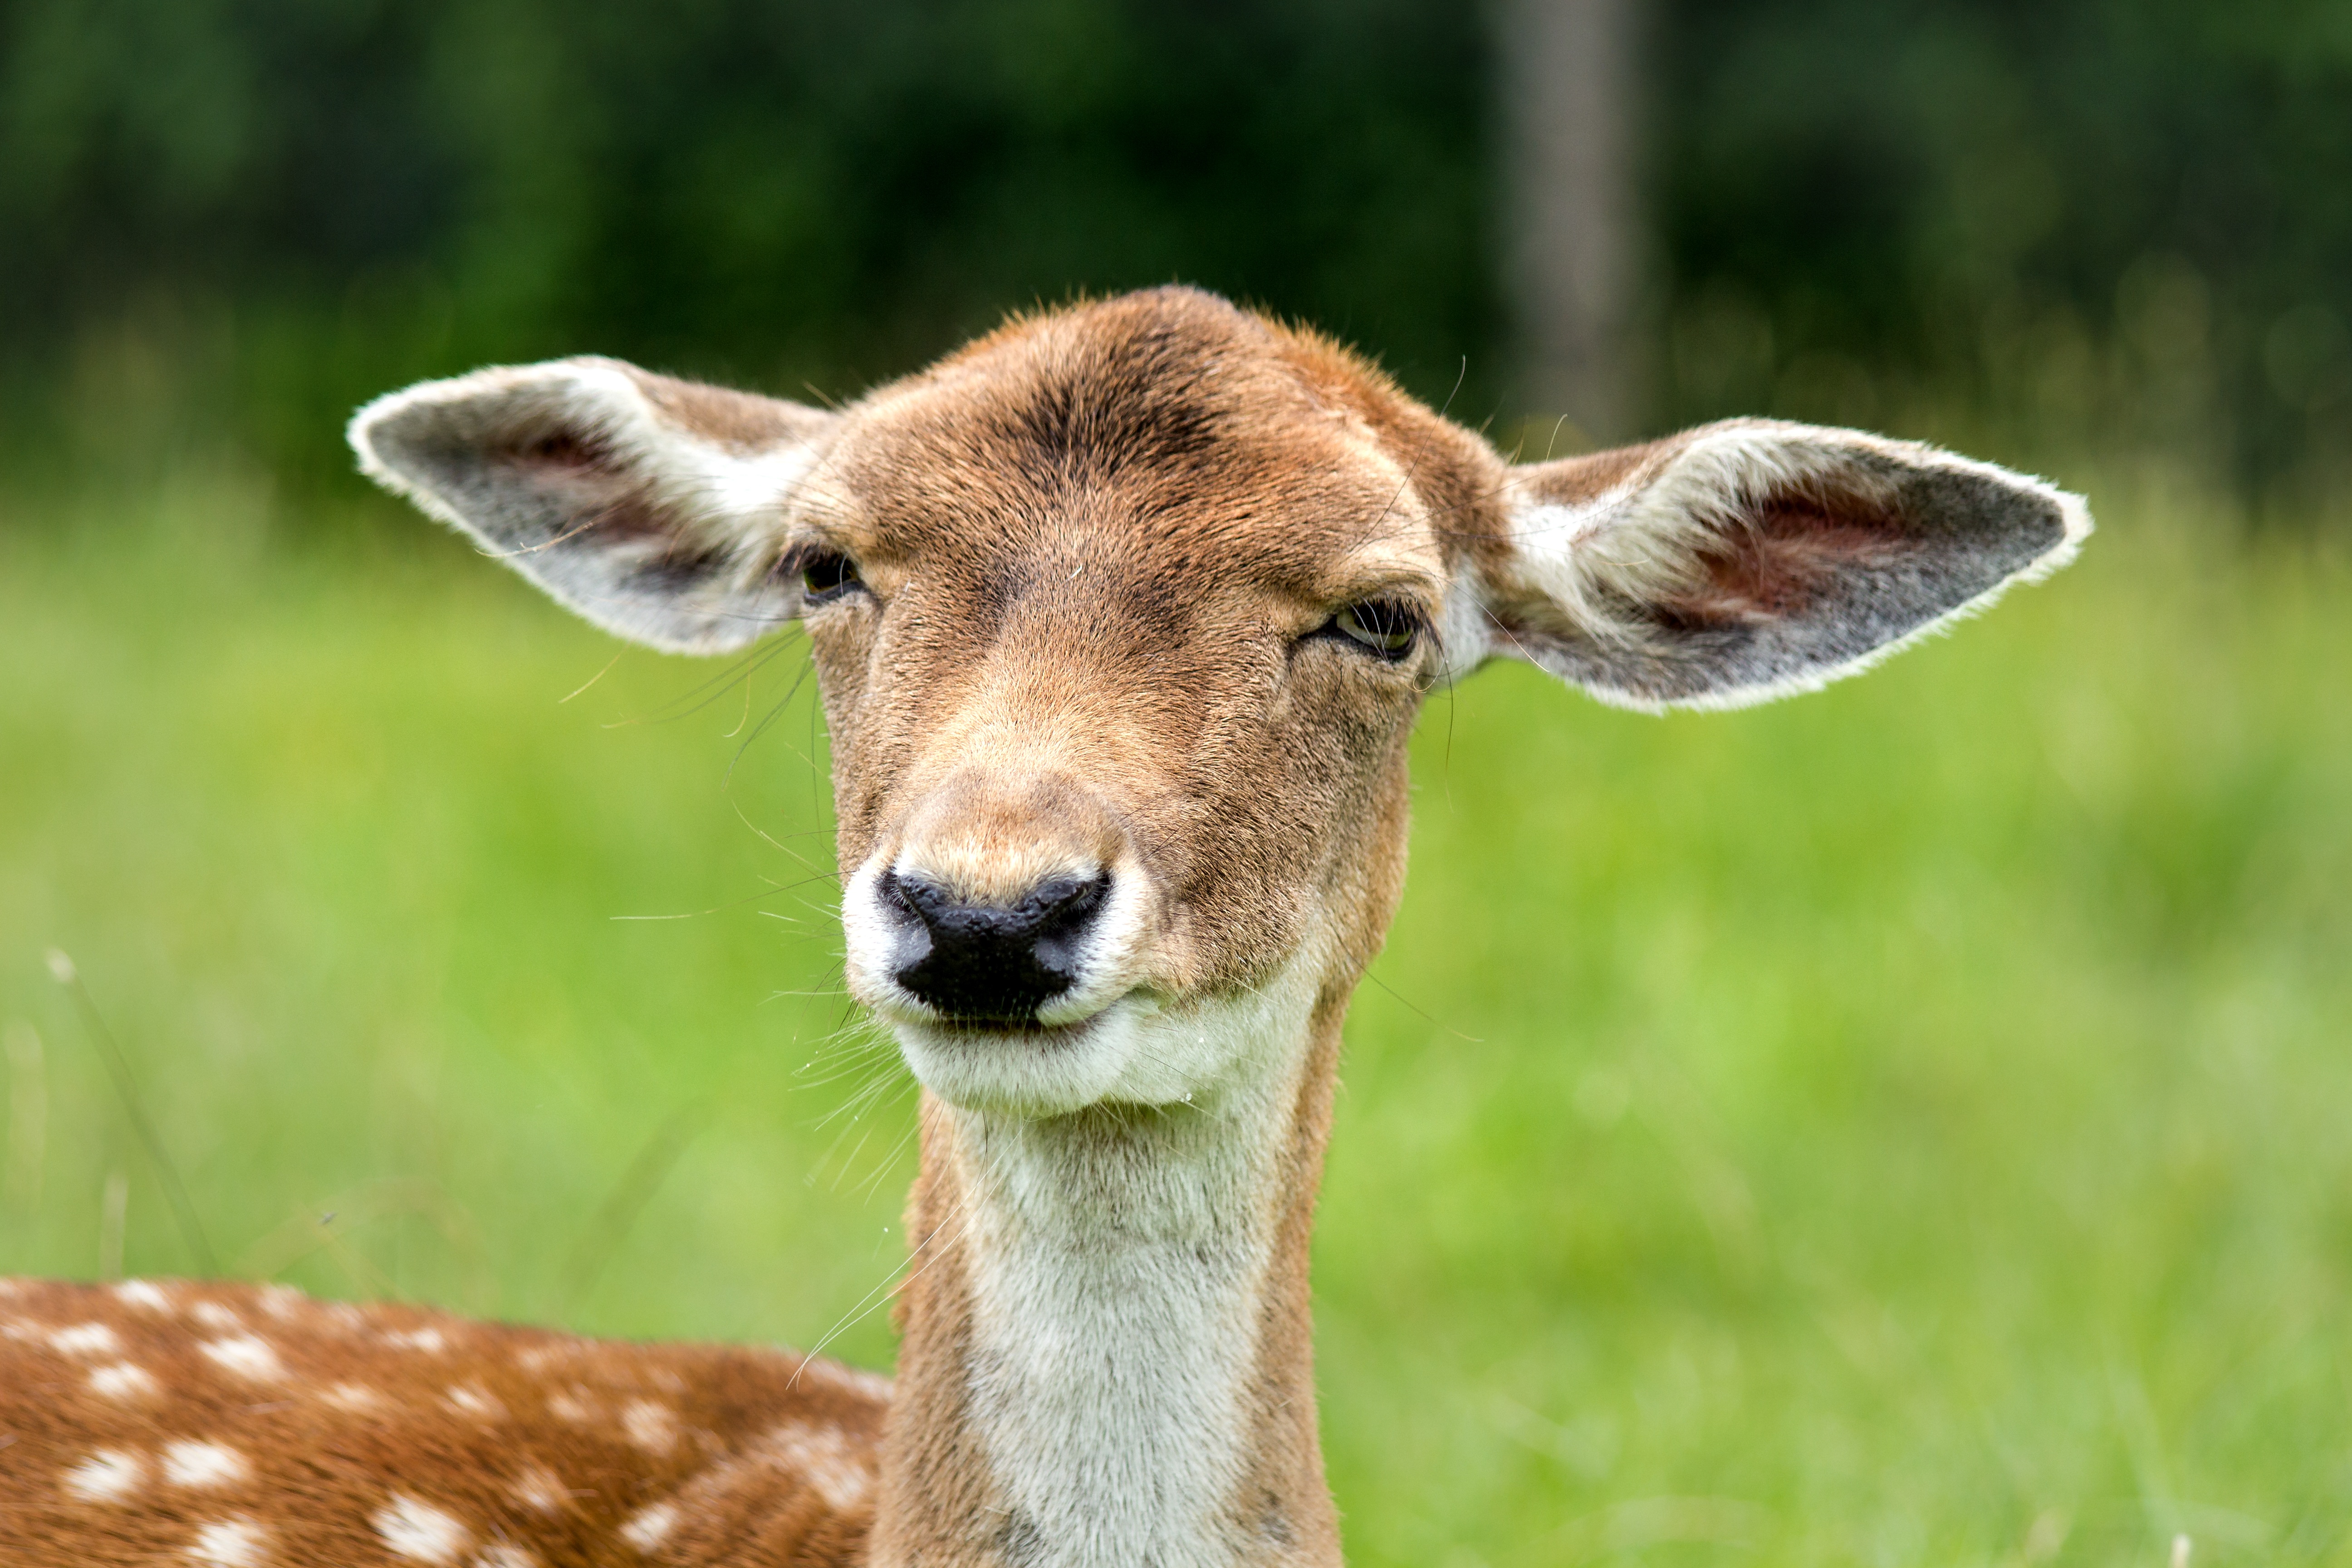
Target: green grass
x: 1909, y: 1125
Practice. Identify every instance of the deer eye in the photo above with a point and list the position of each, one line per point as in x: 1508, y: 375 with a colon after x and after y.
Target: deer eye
x: 1391, y: 630
x: 827, y: 576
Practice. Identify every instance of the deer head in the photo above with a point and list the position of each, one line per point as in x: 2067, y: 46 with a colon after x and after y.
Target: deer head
x: 1122, y: 616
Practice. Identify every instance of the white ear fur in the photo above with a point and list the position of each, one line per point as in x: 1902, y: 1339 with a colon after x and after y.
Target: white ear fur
x: 1600, y: 579
x: 650, y: 506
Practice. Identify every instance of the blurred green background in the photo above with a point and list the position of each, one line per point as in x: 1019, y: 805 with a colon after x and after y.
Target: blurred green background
x: 1912, y: 1124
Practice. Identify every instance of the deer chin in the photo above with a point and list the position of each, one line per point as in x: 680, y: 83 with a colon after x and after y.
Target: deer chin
x: 1143, y: 1049
x: 1025, y: 1070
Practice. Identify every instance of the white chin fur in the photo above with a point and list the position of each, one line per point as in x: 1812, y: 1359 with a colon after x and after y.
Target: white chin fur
x: 1026, y: 1072
x: 1137, y: 1051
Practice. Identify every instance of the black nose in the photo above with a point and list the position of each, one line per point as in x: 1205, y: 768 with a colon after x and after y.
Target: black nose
x: 992, y: 962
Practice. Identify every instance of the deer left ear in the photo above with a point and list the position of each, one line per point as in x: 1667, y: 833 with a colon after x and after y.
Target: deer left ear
x: 650, y: 505
x: 1751, y: 559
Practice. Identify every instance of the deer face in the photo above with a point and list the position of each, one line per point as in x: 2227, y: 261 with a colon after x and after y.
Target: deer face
x: 1120, y: 638
x: 1121, y: 618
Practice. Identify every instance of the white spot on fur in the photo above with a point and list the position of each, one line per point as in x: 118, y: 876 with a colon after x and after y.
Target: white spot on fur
x: 84, y: 1339
x: 538, y: 1489
x: 356, y: 1397
x: 472, y: 1399
x: 283, y: 1301
x: 824, y: 1459
x: 502, y: 1555
x: 431, y: 1341
x: 107, y: 1475
x: 575, y: 1406
x: 345, y: 1318
x: 213, y: 1315
x: 649, y: 1526
x: 247, y: 1355
x: 123, y: 1381
x: 230, y: 1543
x: 538, y: 1358
x: 419, y: 1531
x: 193, y: 1464
x: 144, y: 1294
x: 18, y: 1329
x: 651, y: 1426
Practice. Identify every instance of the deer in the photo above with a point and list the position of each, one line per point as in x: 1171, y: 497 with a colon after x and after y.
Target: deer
x: 1121, y: 616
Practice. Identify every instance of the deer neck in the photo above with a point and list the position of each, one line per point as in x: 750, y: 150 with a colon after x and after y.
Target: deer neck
x: 1106, y: 1353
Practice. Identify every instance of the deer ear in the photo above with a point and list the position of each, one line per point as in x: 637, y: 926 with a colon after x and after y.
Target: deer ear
x: 650, y: 506
x: 1748, y: 560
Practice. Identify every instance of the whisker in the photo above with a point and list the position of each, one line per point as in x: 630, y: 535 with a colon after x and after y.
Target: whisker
x: 865, y: 1303
x: 593, y: 679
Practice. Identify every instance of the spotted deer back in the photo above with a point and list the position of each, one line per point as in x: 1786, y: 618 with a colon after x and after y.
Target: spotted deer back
x: 242, y: 1426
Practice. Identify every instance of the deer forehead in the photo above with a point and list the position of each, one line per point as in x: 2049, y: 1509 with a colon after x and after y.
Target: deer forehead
x: 1175, y: 473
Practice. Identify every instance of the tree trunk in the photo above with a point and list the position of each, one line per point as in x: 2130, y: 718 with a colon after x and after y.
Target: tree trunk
x: 1571, y: 89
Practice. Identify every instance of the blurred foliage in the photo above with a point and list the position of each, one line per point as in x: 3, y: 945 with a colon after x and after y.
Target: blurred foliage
x: 2045, y: 224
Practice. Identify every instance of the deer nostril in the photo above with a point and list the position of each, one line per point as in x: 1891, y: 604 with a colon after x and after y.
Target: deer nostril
x: 994, y: 963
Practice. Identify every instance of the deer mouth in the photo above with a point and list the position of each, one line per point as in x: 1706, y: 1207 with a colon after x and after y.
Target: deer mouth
x: 1145, y: 1048
x: 1012, y: 1034
x: 1022, y: 1068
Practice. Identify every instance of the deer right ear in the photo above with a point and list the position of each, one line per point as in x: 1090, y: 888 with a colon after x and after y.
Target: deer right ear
x: 1745, y: 561
x: 650, y: 506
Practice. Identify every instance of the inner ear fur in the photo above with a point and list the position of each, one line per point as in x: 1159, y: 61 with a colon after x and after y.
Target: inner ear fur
x: 647, y: 504
x: 1747, y: 559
